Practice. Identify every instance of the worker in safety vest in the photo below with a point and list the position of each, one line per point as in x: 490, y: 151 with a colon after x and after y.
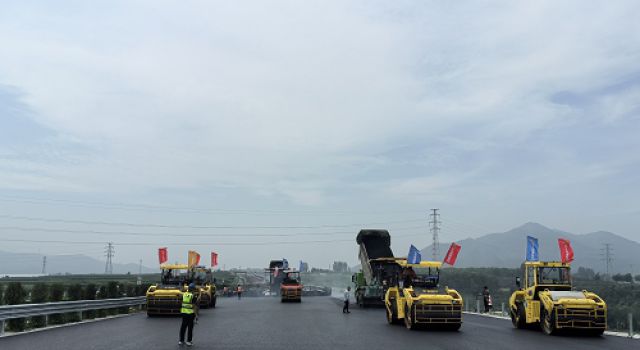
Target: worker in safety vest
x: 189, y: 312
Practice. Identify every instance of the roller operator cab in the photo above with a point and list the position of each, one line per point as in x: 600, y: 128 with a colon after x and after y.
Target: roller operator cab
x: 202, y: 277
x: 291, y: 286
x: 415, y: 298
x: 165, y: 298
x: 545, y: 298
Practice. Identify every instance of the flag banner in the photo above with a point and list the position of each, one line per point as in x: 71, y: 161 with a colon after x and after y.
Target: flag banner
x: 214, y: 259
x: 194, y: 258
x: 452, y: 254
x: 163, y: 255
x: 285, y: 264
x: 300, y: 269
x: 566, y: 252
x: 275, y: 272
x: 414, y: 256
x: 532, y: 249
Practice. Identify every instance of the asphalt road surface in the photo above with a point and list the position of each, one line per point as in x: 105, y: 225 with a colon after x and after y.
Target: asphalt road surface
x: 316, y: 323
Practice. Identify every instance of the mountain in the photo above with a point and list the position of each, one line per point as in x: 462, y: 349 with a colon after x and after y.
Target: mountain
x: 508, y: 249
x: 24, y: 263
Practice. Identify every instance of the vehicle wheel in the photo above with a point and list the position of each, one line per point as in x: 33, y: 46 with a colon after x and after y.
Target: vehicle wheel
x: 518, y: 318
x: 213, y: 302
x: 408, y: 318
x: 547, y: 322
x: 392, y: 313
x: 595, y: 332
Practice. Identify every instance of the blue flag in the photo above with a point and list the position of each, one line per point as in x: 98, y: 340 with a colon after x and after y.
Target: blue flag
x: 414, y: 256
x: 532, y: 249
x: 285, y: 264
x: 300, y: 269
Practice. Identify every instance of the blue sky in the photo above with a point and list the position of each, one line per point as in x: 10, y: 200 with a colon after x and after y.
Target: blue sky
x: 316, y: 113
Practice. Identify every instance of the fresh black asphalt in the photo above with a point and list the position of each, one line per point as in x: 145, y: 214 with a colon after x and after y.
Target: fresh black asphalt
x: 316, y: 323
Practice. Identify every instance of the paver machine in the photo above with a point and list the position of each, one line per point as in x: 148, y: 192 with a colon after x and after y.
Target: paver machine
x: 547, y: 299
x: 202, y: 277
x: 291, y: 286
x: 377, y: 267
x: 165, y: 298
x: 415, y: 298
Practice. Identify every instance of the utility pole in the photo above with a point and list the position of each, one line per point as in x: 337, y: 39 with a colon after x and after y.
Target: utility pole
x: 44, y: 264
x: 607, y: 257
x: 435, y: 227
x: 140, y: 268
x: 109, y: 252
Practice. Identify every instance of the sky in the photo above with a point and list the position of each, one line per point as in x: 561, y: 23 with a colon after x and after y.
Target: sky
x: 263, y: 130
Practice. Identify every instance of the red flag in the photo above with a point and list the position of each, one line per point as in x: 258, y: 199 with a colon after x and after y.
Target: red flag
x: 163, y: 256
x: 214, y: 259
x: 194, y: 258
x: 566, y: 252
x: 452, y: 254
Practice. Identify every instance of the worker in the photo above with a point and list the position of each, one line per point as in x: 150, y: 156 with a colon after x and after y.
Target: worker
x: 189, y: 312
x: 239, y: 290
x: 345, y: 308
x: 409, y: 275
x: 488, y: 303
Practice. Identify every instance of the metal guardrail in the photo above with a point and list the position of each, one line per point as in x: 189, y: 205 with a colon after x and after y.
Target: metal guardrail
x: 8, y: 312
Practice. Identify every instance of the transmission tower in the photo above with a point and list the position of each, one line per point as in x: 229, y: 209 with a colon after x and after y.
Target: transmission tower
x: 607, y: 257
x: 44, y: 264
x: 435, y: 228
x: 109, y: 251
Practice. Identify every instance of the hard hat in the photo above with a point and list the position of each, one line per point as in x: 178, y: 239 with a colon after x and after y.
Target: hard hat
x: 192, y: 286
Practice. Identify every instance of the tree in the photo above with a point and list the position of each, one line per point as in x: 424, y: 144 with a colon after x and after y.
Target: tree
x: 39, y: 294
x: 90, y: 294
x: 15, y: 295
x: 56, y: 293
x: 74, y: 292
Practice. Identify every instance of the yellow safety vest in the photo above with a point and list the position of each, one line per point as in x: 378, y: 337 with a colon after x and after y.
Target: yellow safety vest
x: 187, y: 306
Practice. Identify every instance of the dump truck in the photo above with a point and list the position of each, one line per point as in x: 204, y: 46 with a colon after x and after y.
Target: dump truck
x: 547, y: 300
x: 377, y: 267
x: 202, y: 277
x: 165, y: 298
x: 415, y: 298
x: 291, y: 286
x: 275, y: 275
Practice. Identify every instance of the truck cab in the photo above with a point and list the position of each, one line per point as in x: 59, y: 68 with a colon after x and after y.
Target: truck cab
x: 291, y: 286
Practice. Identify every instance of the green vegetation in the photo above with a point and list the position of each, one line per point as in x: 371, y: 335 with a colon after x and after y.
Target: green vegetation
x: 15, y: 295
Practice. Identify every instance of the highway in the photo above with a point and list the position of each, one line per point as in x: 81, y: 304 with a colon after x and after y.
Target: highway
x: 316, y: 323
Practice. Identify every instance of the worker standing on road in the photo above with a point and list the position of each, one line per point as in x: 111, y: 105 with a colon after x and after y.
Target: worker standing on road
x: 189, y: 312
x: 488, y: 303
x: 345, y: 308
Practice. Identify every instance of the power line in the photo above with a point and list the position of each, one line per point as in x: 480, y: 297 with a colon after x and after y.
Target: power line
x: 186, y: 243
x: 435, y: 227
x: 109, y: 252
x: 126, y: 206
x: 151, y: 234
x: 607, y: 257
x: 111, y: 223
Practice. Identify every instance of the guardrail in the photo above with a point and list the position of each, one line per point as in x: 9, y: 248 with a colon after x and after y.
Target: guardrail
x: 8, y: 312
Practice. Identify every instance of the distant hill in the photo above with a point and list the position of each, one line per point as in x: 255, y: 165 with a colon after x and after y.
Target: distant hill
x: 24, y: 263
x: 507, y: 249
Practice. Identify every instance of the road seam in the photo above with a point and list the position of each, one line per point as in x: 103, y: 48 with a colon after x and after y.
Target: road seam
x: 42, y: 329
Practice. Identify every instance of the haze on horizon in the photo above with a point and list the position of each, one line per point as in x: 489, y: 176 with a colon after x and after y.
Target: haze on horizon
x: 234, y: 128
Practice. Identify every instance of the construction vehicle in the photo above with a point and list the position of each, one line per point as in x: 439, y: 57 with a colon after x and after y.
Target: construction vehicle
x: 291, y: 286
x: 165, y: 298
x: 548, y: 300
x: 275, y: 275
x: 202, y: 277
x: 414, y: 297
x: 377, y: 267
